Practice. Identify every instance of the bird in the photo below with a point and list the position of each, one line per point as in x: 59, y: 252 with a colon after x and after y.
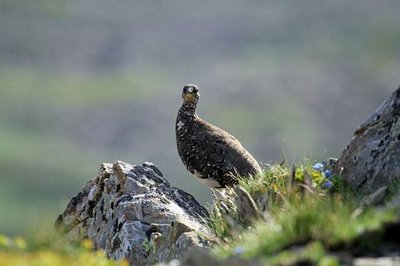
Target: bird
x: 208, y: 152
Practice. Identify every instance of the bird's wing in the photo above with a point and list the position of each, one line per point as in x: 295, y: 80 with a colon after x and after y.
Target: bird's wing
x: 217, y: 147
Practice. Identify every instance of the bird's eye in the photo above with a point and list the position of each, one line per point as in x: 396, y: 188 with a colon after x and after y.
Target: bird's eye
x: 190, y: 89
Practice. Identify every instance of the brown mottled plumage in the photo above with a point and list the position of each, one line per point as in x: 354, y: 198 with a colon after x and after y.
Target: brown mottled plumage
x: 207, y: 151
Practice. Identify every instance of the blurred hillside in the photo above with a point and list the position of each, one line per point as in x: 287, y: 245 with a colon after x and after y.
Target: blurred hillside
x: 85, y: 82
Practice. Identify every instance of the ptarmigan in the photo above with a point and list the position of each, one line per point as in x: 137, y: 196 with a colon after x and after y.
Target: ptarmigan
x: 207, y: 151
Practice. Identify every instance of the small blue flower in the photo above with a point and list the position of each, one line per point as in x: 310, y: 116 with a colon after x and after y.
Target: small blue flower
x: 327, y: 184
x: 328, y: 174
x: 239, y: 250
x: 318, y: 167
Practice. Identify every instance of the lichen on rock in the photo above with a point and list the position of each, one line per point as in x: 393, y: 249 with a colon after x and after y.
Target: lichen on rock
x: 372, y: 159
x: 132, y: 212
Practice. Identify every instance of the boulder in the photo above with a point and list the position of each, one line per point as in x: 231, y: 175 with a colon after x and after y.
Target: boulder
x: 372, y: 159
x: 132, y: 212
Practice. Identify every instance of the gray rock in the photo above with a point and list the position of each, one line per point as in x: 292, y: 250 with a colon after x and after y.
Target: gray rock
x: 372, y: 159
x: 132, y: 212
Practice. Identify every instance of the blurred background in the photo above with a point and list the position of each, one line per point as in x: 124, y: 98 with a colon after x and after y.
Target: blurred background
x: 89, y: 81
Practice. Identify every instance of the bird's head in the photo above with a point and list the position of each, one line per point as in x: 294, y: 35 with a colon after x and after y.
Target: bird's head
x: 190, y: 94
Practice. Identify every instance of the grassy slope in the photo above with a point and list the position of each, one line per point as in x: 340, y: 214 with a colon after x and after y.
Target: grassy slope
x: 301, y: 226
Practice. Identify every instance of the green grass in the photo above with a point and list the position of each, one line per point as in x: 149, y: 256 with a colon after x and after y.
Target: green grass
x: 51, y: 251
x: 306, y: 220
x: 303, y: 224
x: 271, y: 184
x: 274, y: 179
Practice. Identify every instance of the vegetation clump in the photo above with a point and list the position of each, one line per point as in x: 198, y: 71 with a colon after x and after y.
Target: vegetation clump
x: 308, y: 216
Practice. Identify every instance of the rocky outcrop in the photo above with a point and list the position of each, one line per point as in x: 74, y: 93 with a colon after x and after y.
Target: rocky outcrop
x: 372, y: 159
x: 132, y: 212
